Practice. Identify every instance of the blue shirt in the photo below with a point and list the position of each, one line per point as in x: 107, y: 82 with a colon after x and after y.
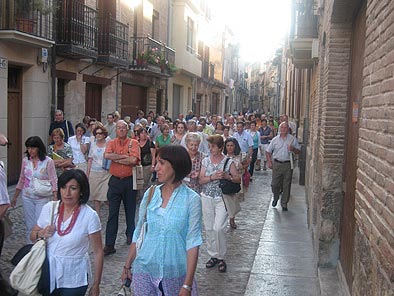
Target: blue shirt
x: 244, y: 140
x: 171, y: 233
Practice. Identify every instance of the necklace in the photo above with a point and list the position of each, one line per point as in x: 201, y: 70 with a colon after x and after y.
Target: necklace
x: 60, y: 220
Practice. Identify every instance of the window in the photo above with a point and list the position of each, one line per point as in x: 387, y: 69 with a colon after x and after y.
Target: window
x: 155, y: 25
x: 190, y: 31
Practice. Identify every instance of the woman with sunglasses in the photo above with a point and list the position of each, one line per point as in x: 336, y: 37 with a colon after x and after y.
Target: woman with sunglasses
x: 98, y: 176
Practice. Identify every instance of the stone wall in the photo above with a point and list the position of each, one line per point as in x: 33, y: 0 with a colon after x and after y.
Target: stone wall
x: 374, y: 244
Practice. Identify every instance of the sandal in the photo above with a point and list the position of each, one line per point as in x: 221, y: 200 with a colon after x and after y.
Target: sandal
x: 211, y: 262
x: 222, y: 266
x: 232, y: 224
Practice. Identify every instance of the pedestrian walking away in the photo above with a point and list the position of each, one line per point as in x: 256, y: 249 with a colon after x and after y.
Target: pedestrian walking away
x: 124, y: 153
x: 279, y: 154
x: 166, y: 261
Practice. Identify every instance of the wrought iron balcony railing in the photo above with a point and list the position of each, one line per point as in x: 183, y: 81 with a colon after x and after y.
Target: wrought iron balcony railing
x: 76, y: 30
x: 33, y: 17
x: 148, y: 52
x: 112, y: 41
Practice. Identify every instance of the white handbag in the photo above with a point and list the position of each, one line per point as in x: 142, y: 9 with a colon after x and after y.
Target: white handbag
x: 144, y: 228
x: 41, y: 187
x: 27, y: 272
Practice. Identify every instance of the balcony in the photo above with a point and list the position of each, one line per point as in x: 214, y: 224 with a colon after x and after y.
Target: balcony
x: 152, y: 57
x: 112, y: 42
x: 27, y: 22
x: 76, y: 30
x: 304, y: 34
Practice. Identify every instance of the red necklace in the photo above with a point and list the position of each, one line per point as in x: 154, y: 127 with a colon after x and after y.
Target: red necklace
x: 60, y: 220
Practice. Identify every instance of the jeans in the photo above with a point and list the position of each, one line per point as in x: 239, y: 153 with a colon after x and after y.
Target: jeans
x: 120, y: 190
x: 80, y: 291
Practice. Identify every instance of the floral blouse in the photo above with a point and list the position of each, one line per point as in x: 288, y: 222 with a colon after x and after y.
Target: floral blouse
x: 45, y: 170
x: 212, y: 188
x: 66, y: 152
x: 196, y: 168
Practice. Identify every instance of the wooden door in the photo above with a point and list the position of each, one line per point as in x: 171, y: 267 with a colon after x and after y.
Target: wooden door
x: 133, y: 99
x: 352, y: 130
x: 159, y: 101
x: 14, y: 125
x: 93, y: 100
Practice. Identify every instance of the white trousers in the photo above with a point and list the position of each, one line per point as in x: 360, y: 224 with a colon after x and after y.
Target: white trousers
x: 32, y: 210
x: 215, y: 223
x: 262, y: 149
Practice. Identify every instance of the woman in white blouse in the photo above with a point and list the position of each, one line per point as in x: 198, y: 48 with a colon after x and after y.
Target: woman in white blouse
x: 75, y: 227
x: 98, y: 176
x: 79, y: 145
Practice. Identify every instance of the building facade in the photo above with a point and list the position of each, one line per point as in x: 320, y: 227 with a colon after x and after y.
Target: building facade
x: 339, y: 84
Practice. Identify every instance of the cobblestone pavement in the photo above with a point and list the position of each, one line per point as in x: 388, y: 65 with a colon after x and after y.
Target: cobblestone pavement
x: 242, y: 245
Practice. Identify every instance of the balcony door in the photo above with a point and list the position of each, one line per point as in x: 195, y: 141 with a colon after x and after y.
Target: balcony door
x: 93, y: 100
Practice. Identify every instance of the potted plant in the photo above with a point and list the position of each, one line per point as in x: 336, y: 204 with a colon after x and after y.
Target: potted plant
x: 25, y: 16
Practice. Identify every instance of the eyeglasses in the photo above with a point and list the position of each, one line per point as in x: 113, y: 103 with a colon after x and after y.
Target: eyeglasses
x: 99, y: 133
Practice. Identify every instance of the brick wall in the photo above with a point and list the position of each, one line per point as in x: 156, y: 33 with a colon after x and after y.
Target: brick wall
x: 374, y: 244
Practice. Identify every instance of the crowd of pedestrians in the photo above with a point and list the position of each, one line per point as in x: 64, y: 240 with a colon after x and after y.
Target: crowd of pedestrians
x: 185, y: 160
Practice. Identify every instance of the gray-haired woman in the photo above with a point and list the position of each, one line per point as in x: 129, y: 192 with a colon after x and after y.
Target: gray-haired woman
x: 192, y: 141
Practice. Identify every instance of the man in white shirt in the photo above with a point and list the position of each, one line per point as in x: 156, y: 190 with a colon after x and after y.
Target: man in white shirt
x: 244, y: 139
x: 278, y: 153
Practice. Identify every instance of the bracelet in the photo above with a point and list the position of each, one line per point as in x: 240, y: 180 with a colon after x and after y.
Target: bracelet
x: 129, y: 268
x: 187, y: 287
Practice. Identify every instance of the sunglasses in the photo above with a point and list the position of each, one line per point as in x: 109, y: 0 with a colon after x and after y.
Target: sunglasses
x: 99, y: 134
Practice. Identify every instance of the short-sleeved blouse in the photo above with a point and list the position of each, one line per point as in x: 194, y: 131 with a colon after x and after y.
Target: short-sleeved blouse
x: 172, y: 232
x: 161, y: 142
x: 96, y: 153
x: 66, y: 152
x: 68, y: 256
x: 212, y: 188
x: 196, y: 167
x: 78, y: 156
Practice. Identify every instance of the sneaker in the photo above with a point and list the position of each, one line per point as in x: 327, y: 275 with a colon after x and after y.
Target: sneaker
x: 274, y: 203
x: 108, y: 250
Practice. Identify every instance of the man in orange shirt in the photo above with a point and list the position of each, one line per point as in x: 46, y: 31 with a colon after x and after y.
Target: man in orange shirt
x: 124, y: 153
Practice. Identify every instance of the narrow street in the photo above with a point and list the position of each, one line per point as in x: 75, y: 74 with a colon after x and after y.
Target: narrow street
x: 242, y: 246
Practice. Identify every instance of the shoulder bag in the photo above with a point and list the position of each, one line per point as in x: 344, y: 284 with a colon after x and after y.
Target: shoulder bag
x: 28, y: 273
x: 144, y: 228
x: 40, y: 187
x: 227, y: 186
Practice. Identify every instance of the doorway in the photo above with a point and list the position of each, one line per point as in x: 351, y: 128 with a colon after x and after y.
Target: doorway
x: 14, y: 124
x: 133, y: 99
x: 348, y: 222
x: 176, y: 101
x: 93, y: 100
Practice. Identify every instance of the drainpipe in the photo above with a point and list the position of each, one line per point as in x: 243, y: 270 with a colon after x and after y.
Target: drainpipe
x: 305, y: 134
x: 53, y: 82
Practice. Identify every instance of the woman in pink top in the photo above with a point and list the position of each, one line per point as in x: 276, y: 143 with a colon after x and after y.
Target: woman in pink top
x: 35, y: 165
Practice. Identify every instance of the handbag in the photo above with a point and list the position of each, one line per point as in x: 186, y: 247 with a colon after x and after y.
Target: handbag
x: 138, y: 177
x: 41, y: 187
x: 144, y: 228
x: 227, y: 186
x: 31, y: 275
